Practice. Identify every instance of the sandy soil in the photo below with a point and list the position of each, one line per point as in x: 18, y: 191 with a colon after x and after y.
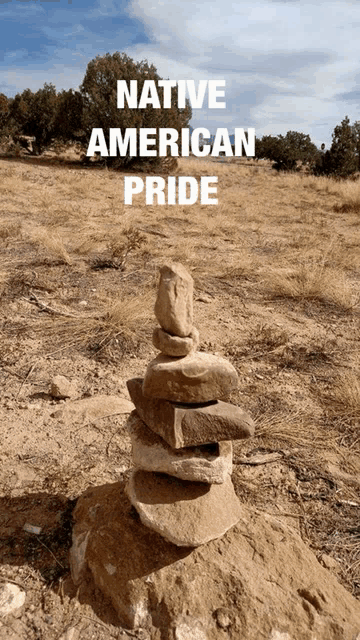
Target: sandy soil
x: 276, y: 267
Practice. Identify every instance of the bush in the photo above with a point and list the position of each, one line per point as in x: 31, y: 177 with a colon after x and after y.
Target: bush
x: 286, y: 151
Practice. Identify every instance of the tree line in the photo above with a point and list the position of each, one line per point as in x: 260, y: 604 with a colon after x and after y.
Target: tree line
x: 294, y: 149
x: 68, y: 116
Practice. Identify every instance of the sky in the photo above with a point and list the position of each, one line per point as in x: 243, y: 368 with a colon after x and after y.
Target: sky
x: 289, y: 65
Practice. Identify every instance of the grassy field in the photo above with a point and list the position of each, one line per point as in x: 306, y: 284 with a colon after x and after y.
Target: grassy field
x: 276, y: 268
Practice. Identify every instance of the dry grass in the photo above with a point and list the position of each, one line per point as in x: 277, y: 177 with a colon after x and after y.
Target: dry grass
x: 277, y: 265
x: 52, y: 243
x: 297, y: 429
x: 311, y: 281
x: 119, y: 322
x: 349, y: 193
x: 3, y: 280
x: 344, y: 397
x: 9, y: 230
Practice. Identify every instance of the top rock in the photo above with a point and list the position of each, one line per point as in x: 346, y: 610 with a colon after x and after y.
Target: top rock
x: 174, y: 302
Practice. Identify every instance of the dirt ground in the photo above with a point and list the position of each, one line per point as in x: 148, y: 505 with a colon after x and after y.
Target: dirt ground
x: 276, y: 267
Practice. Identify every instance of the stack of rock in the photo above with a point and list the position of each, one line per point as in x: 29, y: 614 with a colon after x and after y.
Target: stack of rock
x: 181, y: 430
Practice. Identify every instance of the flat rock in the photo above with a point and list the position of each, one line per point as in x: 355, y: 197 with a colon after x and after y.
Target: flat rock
x: 92, y: 408
x: 206, y: 463
x: 198, y: 377
x: 187, y: 514
x: 259, y: 581
x: 174, y: 345
x: 174, y: 302
x: 182, y: 426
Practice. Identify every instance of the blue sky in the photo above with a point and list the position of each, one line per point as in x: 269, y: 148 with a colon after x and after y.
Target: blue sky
x: 288, y: 64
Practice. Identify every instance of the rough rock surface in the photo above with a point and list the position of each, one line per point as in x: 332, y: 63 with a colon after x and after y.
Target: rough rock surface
x: 61, y: 387
x: 206, y: 463
x: 174, y: 302
x: 11, y: 598
x: 259, y: 581
x: 174, y: 345
x: 91, y: 408
x: 190, y: 426
x: 187, y: 514
x: 198, y: 377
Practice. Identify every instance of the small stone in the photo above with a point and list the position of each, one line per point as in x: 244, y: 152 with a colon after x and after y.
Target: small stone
x: 61, y: 387
x: 206, y: 463
x: 73, y: 633
x: 187, y: 514
x: 185, y: 426
x: 330, y: 563
x: 174, y: 345
x: 174, y: 302
x: 120, y: 470
x: 279, y: 635
x: 223, y: 618
x: 11, y: 598
x: 204, y: 297
x: 188, y: 627
x: 198, y: 377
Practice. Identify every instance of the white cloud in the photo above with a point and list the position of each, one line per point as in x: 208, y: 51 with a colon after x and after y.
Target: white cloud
x: 287, y: 65
x: 292, y: 58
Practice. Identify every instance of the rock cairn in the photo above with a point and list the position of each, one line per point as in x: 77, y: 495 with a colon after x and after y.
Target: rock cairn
x: 181, y: 429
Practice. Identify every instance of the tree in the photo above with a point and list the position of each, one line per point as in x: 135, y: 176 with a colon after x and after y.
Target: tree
x: 68, y: 118
x: 99, y: 92
x: 342, y: 160
x: 343, y: 150
x: 34, y: 115
x: 356, y: 131
x: 4, y: 113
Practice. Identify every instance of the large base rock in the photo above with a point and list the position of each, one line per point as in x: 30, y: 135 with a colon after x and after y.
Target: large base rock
x: 210, y: 463
x: 258, y: 582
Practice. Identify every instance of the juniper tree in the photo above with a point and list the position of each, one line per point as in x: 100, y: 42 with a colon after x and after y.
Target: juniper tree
x: 99, y: 92
x: 342, y: 159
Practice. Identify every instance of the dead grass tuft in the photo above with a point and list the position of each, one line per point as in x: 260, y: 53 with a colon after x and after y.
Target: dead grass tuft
x: 3, y: 280
x: 350, y: 194
x: 119, y: 322
x: 313, y: 281
x: 298, y: 429
x: 10, y: 230
x: 52, y: 242
x: 344, y: 397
